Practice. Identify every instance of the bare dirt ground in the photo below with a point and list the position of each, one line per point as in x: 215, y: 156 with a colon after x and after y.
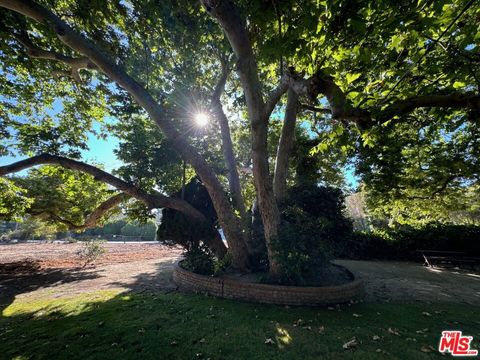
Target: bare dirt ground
x: 54, y: 270
x: 64, y: 255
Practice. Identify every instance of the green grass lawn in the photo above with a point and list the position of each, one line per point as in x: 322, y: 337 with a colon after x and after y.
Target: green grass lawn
x: 108, y: 325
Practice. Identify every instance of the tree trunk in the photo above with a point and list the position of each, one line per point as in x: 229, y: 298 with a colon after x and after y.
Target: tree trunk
x: 285, y: 146
x: 227, y: 146
x: 217, y: 245
x: 234, y: 27
x: 233, y: 179
x: 266, y: 202
x: 261, y: 173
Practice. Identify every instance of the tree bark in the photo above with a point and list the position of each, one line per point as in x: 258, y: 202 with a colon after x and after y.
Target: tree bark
x: 228, y: 221
x: 234, y: 28
x: 285, y: 146
x: 454, y: 101
x: 227, y: 146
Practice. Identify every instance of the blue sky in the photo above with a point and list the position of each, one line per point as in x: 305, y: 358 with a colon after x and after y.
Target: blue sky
x: 100, y: 151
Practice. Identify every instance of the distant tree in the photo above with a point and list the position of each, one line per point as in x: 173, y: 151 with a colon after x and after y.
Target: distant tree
x: 134, y: 229
x: 61, y: 196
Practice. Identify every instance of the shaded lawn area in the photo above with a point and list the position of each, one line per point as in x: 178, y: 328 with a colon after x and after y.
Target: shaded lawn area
x: 109, y: 325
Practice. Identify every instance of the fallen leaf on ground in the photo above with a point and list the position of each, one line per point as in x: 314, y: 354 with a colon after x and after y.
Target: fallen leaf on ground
x: 393, y: 331
x: 297, y: 322
x: 425, y: 313
x: 375, y: 337
x: 321, y: 329
x: 269, y: 341
x: 357, y: 315
x: 350, y: 344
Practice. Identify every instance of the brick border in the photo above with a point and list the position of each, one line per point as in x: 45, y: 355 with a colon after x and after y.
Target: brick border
x: 265, y: 293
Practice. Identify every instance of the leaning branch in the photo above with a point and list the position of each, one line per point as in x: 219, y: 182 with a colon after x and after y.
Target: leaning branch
x: 454, y: 101
x: 315, y: 109
x: 235, y: 30
x: 227, y: 145
x: 92, y: 219
x: 153, y: 200
x: 285, y: 146
x: 75, y: 64
x: 274, y: 97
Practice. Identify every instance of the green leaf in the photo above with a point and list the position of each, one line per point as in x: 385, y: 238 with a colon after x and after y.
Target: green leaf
x: 352, y: 77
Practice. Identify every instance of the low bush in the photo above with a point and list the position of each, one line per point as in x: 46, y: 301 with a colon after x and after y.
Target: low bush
x: 301, y: 248
x: 402, y: 244
x: 313, y: 226
x: 200, y: 260
x: 91, y: 251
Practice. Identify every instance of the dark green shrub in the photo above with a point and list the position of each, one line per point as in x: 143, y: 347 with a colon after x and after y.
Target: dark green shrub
x: 366, y: 246
x: 302, y: 252
x: 313, y: 225
x: 442, y: 237
x: 200, y: 260
x: 176, y: 228
x: 402, y: 244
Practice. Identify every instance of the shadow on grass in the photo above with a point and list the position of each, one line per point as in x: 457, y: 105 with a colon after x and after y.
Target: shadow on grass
x: 107, y: 324
x: 24, y: 276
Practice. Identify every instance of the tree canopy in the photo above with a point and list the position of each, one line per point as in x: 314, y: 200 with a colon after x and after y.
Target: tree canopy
x: 295, y: 89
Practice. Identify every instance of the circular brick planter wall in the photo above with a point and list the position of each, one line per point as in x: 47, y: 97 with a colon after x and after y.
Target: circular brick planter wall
x: 264, y: 293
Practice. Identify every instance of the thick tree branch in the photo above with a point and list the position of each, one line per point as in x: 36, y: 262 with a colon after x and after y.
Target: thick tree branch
x: 455, y: 101
x: 227, y: 146
x: 285, y: 146
x: 79, y: 43
x: 76, y: 64
x: 155, y: 200
x: 315, y: 109
x: 234, y: 27
x: 274, y: 97
x: 341, y: 108
x: 92, y: 219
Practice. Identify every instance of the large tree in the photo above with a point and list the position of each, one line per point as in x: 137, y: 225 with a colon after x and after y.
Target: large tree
x: 351, y: 67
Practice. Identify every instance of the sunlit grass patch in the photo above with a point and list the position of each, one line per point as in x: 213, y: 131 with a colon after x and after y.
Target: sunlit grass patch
x: 66, y: 306
x: 112, y: 325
